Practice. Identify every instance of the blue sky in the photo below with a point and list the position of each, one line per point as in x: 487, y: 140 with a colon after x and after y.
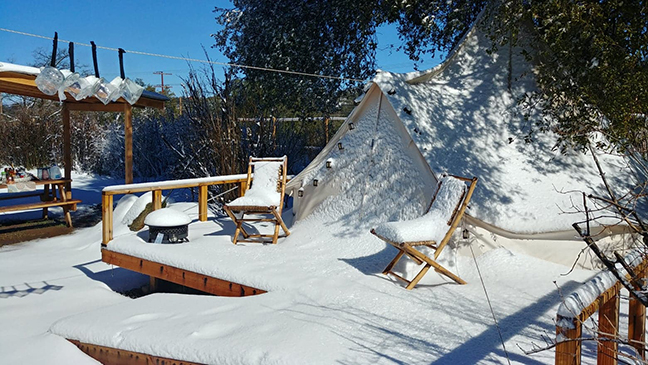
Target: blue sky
x: 176, y: 28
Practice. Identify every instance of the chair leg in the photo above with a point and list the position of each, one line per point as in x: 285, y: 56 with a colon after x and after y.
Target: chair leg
x: 418, y: 277
x: 281, y: 222
x: 68, y: 218
x: 393, y: 262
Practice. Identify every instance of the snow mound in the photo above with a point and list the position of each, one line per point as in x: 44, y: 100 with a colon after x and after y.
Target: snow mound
x: 167, y: 217
x: 137, y: 207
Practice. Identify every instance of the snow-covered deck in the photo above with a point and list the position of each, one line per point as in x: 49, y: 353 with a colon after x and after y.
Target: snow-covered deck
x: 326, y: 302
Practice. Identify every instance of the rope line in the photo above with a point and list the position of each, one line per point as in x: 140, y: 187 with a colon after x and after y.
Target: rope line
x: 499, y: 330
x: 191, y: 59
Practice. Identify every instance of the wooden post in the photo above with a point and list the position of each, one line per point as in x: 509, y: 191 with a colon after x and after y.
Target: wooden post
x: 243, y: 188
x: 326, y: 124
x: 128, y: 143
x: 67, y: 150
x: 637, y: 323
x: 608, y: 328
x: 274, y: 132
x: 569, y: 352
x: 202, y: 203
x: 153, y: 284
x: 106, y: 218
x: 157, y: 199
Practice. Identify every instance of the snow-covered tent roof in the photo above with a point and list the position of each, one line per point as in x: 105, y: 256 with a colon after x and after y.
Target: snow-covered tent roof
x: 461, y: 117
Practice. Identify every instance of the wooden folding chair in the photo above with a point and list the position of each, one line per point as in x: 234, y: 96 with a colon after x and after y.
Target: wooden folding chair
x: 264, y: 197
x: 432, y: 230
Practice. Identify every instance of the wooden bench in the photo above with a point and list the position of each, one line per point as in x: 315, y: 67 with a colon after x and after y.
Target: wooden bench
x: 68, y: 205
x: 49, y: 198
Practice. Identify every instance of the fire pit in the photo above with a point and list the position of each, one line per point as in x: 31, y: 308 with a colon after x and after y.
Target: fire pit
x: 168, y: 226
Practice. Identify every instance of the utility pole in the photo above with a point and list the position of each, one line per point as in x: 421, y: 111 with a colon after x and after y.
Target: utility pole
x: 162, y: 87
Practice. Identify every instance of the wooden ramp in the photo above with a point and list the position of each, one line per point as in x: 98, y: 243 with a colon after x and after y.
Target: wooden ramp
x: 179, y: 276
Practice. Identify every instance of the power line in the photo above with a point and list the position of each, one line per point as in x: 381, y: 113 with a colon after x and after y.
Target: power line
x: 191, y: 59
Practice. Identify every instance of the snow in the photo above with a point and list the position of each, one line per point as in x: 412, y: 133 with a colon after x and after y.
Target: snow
x: 10, y: 67
x: 170, y: 184
x: 465, y: 120
x: 577, y: 301
x: 432, y: 226
x: 264, y: 186
x: 327, y: 301
x: 136, y: 208
x: 167, y: 217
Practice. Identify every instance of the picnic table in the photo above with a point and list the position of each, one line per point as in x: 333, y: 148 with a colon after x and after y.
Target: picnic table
x: 53, y: 194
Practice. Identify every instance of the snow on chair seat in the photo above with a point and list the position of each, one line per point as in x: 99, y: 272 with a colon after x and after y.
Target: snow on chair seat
x: 264, y: 186
x: 434, y: 229
x: 264, y: 197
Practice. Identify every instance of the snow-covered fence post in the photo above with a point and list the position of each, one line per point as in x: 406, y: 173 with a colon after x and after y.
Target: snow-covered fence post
x: 202, y: 203
x: 157, y: 199
x: 568, y: 351
x: 607, y: 351
x: 637, y: 322
x: 106, y: 217
x: 600, y: 294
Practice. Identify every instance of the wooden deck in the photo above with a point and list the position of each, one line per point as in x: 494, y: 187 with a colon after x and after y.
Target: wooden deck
x: 211, y: 285
x: 111, y: 356
x: 179, y: 276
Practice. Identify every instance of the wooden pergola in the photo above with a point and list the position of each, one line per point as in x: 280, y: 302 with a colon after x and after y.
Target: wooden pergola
x: 24, y: 84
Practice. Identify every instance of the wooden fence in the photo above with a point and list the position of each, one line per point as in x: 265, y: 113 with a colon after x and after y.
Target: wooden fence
x: 157, y: 187
x: 607, y: 304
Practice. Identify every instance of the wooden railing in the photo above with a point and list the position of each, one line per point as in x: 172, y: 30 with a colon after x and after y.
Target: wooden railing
x: 569, y: 328
x: 157, y: 188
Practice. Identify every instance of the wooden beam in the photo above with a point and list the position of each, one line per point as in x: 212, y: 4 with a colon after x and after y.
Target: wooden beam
x: 176, y: 275
x: 113, y: 356
x: 94, y: 107
x: 637, y: 322
x: 106, y: 218
x: 180, y: 184
x: 25, y: 85
x: 202, y: 203
x: 568, y: 352
x: 67, y: 149
x: 157, y: 199
x: 608, y: 329
x: 128, y: 143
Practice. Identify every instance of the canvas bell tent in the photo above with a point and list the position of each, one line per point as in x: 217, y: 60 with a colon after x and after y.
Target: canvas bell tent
x: 461, y: 117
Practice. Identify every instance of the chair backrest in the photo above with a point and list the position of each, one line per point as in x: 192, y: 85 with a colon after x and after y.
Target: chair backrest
x: 447, y: 198
x: 450, y: 200
x: 269, y: 177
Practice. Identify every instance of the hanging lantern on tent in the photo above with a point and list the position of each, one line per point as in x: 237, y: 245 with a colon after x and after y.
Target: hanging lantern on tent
x: 315, y: 182
x: 329, y: 163
x: 351, y: 126
x: 340, y: 147
x: 465, y: 234
x: 300, y: 192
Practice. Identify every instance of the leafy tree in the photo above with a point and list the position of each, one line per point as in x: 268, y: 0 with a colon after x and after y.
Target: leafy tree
x: 321, y: 37
x: 591, y: 56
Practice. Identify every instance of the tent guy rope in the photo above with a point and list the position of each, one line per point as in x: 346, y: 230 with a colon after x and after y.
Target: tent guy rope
x: 191, y: 59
